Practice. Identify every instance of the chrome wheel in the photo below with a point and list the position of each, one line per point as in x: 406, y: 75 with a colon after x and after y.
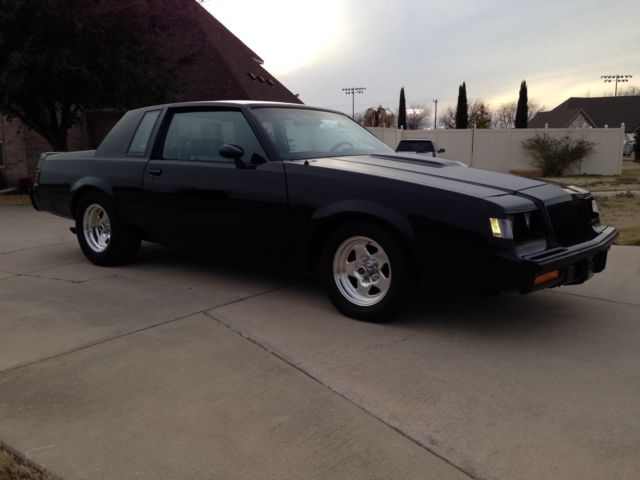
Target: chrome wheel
x: 96, y: 227
x: 362, y: 271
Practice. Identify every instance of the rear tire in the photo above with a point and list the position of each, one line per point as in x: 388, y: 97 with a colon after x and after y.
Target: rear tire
x: 103, y: 236
x: 365, y: 271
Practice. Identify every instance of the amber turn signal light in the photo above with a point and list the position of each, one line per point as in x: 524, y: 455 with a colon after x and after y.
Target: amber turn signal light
x: 545, y: 277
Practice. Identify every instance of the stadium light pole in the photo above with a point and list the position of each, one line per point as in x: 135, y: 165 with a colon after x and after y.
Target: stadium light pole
x: 615, y: 78
x: 352, y: 91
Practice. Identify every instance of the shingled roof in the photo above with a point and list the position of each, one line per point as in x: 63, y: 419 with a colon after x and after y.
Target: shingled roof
x: 222, y: 67
x: 598, y: 111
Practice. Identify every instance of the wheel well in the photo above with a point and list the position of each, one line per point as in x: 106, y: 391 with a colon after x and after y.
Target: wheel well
x: 322, y: 234
x: 78, y: 194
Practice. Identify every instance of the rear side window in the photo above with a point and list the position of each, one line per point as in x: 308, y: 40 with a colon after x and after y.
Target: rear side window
x: 143, y: 133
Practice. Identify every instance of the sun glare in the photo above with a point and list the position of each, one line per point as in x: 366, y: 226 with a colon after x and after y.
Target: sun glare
x: 286, y: 34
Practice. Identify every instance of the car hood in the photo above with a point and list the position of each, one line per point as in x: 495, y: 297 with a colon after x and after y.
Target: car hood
x: 430, y: 171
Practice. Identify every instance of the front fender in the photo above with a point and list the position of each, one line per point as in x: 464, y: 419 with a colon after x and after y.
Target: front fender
x: 368, y: 208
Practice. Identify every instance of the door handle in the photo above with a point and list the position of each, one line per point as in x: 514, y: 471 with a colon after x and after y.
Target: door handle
x: 156, y: 172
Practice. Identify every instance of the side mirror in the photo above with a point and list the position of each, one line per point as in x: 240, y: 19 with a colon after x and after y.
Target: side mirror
x: 441, y: 150
x: 234, y: 152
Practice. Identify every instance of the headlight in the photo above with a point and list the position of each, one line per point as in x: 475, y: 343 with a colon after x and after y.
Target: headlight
x: 594, y: 206
x: 501, y: 227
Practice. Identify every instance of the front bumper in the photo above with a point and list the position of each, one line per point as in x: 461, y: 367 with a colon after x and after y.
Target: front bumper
x: 575, y: 264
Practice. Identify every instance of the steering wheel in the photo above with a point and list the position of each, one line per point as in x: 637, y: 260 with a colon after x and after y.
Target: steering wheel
x: 341, y: 145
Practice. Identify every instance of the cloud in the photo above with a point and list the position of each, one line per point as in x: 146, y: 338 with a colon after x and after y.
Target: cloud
x: 287, y: 34
x: 560, y: 48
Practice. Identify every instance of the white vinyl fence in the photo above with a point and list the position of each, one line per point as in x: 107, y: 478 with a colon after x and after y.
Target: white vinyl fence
x: 501, y: 150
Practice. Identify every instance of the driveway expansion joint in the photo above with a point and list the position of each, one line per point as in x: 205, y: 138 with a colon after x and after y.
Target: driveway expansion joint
x: 138, y: 330
x: 309, y: 375
x: 13, y: 275
x: 26, y: 249
x: 607, y: 300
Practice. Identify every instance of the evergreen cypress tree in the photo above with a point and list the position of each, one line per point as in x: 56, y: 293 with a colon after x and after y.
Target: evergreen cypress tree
x: 402, y: 111
x: 462, y: 110
x: 522, y: 111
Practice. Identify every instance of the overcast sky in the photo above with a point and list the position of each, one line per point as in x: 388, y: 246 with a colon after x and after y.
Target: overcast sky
x: 559, y: 47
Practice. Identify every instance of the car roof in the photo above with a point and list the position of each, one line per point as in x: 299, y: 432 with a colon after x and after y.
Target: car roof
x: 236, y: 103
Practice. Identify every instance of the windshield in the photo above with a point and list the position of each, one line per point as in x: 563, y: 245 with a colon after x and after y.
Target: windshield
x: 299, y: 133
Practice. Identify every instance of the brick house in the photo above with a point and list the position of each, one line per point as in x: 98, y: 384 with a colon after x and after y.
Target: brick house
x: 223, y: 68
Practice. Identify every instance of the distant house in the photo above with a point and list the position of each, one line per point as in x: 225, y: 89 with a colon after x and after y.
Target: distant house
x: 595, y: 112
x: 223, y: 69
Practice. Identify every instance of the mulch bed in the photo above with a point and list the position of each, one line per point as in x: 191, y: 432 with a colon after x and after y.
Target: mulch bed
x: 13, y: 467
x: 14, y: 200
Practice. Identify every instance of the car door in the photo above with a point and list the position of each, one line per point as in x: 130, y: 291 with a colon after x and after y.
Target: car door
x: 195, y: 196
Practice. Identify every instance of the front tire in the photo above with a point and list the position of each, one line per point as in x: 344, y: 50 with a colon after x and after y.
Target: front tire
x: 365, y: 271
x: 103, y: 236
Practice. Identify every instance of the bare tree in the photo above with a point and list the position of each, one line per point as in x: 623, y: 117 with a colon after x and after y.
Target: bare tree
x: 418, y: 117
x: 630, y: 91
x: 379, y: 117
x: 448, y: 118
x: 504, y: 116
x: 534, y: 108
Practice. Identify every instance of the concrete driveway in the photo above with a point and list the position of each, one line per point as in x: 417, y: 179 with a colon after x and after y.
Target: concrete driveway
x: 179, y: 367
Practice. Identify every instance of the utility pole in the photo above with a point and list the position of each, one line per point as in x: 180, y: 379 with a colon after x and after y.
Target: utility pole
x: 352, y: 91
x: 616, y: 79
x: 435, y: 117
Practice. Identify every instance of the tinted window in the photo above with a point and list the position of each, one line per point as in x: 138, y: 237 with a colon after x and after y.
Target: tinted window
x: 420, y: 146
x: 141, y: 137
x: 301, y: 133
x: 199, y: 136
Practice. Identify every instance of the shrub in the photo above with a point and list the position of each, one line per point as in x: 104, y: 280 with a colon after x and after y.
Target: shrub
x: 555, y: 155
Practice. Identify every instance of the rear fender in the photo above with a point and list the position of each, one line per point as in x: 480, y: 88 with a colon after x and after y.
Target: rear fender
x: 85, y: 184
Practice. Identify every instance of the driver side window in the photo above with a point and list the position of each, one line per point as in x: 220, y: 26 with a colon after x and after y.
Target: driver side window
x: 198, y: 136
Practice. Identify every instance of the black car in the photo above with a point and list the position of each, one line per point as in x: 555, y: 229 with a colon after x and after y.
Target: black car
x: 311, y: 186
